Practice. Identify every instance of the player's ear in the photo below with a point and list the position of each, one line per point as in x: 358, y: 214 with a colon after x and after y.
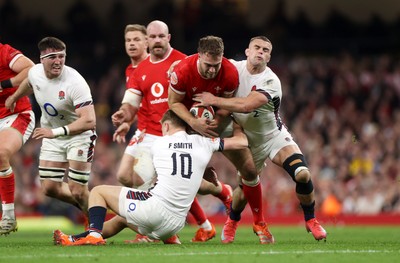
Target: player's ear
x: 247, y: 52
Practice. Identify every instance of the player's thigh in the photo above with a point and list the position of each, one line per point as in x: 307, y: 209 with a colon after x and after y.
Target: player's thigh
x: 243, y: 161
x: 105, y: 195
x: 10, y: 143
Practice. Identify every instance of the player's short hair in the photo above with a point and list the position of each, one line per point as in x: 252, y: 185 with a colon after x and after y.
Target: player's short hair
x: 51, y: 43
x: 136, y: 27
x: 263, y: 38
x: 171, y: 116
x: 212, y: 45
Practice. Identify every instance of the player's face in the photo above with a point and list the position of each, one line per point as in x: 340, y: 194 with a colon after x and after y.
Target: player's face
x: 158, y: 39
x: 135, y: 44
x: 53, y: 62
x: 208, y: 65
x: 259, y: 52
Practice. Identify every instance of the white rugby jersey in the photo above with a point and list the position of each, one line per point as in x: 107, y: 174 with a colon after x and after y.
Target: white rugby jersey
x: 180, y: 160
x: 265, y: 120
x: 59, y: 97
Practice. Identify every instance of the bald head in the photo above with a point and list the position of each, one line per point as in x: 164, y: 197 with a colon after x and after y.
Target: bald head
x: 159, y: 26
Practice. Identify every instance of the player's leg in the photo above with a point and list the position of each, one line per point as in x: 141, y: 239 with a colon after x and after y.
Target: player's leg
x: 101, y: 197
x: 15, y: 130
x: 211, y: 185
x: 293, y: 161
x: 251, y: 192
x: 206, y: 229
x: 10, y: 143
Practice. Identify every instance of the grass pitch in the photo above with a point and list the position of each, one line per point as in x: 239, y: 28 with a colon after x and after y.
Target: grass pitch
x: 33, y: 243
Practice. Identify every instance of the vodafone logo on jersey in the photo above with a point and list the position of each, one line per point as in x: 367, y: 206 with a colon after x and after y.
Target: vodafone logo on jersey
x: 157, y: 89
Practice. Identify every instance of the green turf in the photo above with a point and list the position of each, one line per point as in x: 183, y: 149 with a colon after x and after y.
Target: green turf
x: 344, y: 244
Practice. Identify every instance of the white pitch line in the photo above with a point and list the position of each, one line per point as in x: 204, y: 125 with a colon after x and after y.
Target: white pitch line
x: 173, y: 254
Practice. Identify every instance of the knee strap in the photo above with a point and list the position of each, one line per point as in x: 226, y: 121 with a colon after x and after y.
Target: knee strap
x: 294, y: 164
x: 304, y: 188
x: 51, y: 173
x: 80, y: 177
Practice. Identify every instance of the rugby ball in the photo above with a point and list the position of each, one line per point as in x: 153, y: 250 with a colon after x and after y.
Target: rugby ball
x: 202, y: 112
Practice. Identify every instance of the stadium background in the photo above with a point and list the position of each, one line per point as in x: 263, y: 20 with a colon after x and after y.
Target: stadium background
x: 339, y: 66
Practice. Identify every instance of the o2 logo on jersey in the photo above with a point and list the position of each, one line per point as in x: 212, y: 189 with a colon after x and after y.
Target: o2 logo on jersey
x: 157, y: 89
x: 131, y: 207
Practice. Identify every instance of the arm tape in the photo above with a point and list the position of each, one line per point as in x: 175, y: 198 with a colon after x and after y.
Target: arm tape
x: 6, y: 84
x: 132, y: 99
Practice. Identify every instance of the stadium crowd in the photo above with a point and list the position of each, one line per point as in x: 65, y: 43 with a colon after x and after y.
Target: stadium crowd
x: 342, y: 108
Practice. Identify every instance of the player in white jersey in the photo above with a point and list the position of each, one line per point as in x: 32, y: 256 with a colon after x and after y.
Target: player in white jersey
x: 67, y: 123
x: 256, y: 109
x: 180, y: 160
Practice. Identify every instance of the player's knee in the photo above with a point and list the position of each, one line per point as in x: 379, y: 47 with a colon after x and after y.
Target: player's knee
x: 125, y: 179
x: 304, y: 188
x: 296, y: 166
x: 143, y: 170
x: 4, y: 156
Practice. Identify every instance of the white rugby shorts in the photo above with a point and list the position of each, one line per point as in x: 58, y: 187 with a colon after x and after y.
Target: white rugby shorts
x: 62, y: 149
x: 24, y: 122
x: 148, y: 214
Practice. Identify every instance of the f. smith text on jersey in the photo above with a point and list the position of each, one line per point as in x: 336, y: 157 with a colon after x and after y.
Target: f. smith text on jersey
x: 181, y: 145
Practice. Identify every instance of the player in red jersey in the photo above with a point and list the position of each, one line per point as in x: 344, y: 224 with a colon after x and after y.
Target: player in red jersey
x: 15, y: 128
x: 150, y: 85
x: 210, y: 71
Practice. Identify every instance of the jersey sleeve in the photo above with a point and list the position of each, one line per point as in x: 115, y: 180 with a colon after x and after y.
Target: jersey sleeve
x: 178, y: 78
x: 80, y: 92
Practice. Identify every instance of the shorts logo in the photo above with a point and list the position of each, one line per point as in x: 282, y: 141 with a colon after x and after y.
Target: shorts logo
x: 80, y: 153
x: 287, y: 139
x: 131, y: 207
x: 61, y: 95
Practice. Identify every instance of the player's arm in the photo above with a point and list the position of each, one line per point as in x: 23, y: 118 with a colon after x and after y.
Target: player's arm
x: 21, y: 66
x: 200, y: 125
x: 86, y: 121
x: 236, y: 104
x: 237, y: 141
x: 24, y: 89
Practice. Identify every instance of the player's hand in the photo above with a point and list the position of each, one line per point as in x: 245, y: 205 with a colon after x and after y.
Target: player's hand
x: 205, y: 127
x: 205, y: 99
x: 120, y: 133
x: 10, y: 103
x: 118, y: 118
x: 210, y: 176
x: 40, y: 133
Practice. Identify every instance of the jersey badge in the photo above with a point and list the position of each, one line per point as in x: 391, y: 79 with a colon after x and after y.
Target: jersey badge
x: 194, y: 89
x: 37, y: 87
x: 61, y: 95
x: 143, y: 77
x: 174, y: 78
x: 80, y: 153
x: 217, y: 89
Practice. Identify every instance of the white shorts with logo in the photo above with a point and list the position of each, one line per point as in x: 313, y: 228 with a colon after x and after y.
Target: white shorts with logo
x: 140, y: 140
x: 24, y: 122
x: 271, y: 147
x: 149, y: 216
x: 62, y: 149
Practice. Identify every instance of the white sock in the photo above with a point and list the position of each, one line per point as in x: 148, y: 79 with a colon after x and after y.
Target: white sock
x: 8, y: 211
x: 206, y: 225
x: 95, y: 234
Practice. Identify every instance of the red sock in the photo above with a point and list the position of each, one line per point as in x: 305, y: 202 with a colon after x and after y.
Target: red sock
x: 253, y: 195
x: 7, y: 188
x: 225, y: 193
x: 198, y: 212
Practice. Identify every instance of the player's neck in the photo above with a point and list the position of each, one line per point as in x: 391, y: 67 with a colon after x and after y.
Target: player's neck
x: 256, y: 69
x: 136, y: 61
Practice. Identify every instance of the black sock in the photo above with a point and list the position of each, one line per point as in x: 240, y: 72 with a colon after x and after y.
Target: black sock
x: 235, y: 215
x: 84, y: 234
x: 97, y: 216
x: 308, y: 211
